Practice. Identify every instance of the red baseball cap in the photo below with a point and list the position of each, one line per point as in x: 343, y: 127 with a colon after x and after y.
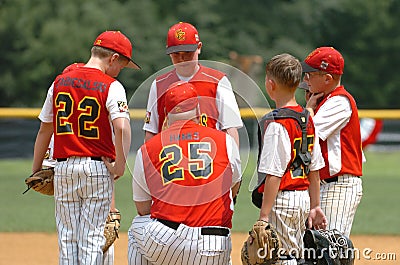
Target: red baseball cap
x: 180, y: 97
x: 72, y: 67
x: 325, y: 59
x: 118, y: 42
x: 182, y: 37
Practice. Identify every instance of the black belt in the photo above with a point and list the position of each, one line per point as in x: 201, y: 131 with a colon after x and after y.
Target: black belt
x: 329, y: 180
x: 97, y: 158
x: 334, y: 179
x: 215, y: 231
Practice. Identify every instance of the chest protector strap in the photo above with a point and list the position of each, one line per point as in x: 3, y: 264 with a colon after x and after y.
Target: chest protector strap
x: 302, y: 158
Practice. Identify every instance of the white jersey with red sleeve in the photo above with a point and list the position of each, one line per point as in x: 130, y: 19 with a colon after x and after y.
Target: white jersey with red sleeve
x: 218, y: 105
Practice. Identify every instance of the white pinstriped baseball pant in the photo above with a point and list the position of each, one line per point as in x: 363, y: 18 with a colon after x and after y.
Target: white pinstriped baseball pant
x: 339, y: 201
x: 288, y: 216
x: 151, y: 242
x: 82, y: 192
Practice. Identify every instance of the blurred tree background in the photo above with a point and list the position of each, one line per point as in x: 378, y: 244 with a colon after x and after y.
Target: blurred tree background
x: 40, y: 37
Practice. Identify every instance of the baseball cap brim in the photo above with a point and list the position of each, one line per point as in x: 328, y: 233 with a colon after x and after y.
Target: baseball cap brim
x: 181, y: 48
x: 133, y: 65
x: 306, y: 68
x: 303, y: 85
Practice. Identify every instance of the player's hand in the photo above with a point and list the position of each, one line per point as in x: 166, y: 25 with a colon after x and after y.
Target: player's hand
x: 110, y: 166
x: 314, y: 100
x: 317, y: 219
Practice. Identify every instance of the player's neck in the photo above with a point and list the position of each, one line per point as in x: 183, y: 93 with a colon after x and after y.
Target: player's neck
x: 288, y: 101
x: 188, y: 71
x: 96, y: 63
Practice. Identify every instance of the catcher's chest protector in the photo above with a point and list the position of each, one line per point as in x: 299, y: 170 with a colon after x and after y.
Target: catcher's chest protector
x: 303, y: 157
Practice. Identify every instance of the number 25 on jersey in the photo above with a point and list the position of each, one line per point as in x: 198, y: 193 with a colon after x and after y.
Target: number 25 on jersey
x: 199, y: 163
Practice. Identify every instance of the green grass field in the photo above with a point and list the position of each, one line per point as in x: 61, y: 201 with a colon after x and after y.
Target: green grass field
x: 377, y: 213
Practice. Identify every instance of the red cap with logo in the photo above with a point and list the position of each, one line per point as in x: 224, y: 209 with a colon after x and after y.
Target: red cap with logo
x: 325, y: 59
x: 118, y: 42
x: 182, y: 37
x: 180, y: 97
x: 72, y: 67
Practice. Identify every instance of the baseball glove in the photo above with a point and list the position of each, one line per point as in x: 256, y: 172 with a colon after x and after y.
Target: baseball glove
x: 262, y: 245
x: 111, y: 229
x: 41, y: 181
x: 327, y: 247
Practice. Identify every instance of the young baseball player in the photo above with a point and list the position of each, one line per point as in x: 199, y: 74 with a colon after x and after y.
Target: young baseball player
x: 86, y: 109
x: 289, y: 161
x: 50, y: 162
x: 218, y: 107
x: 184, y: 180
x: 336, y: 118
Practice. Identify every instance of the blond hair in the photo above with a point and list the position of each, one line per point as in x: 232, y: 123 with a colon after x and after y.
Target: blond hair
x: 284, y: 69
x: 101, y: 52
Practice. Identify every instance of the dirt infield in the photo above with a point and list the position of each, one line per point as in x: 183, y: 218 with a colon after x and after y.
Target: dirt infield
x: 42, y: 249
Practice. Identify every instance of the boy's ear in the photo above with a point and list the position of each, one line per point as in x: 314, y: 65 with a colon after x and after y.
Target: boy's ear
x: 272, y: 83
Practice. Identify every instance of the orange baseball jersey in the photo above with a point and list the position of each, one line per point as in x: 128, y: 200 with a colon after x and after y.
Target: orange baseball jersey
x: 81, y: 118
x: 294, y: 178
x: 206, y: 82
x: 189, y: 176
x: 350, y: 141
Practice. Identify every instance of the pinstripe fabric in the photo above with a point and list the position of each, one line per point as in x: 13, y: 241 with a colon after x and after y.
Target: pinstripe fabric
x: 108, y: 257
x: 339, y: 201
x: 82, y: 193
x: 151, y: 242
x: 288, y: 216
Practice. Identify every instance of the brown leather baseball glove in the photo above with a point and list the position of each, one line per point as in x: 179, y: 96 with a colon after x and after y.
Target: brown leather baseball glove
x: 111, y: 229
x: 262, y: 245
x: 41, y: 181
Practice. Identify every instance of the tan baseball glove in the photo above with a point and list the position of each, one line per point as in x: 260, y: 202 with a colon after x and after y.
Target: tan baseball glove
x: 41, y: 181
x: 111, y: 229
x: 262, y: 245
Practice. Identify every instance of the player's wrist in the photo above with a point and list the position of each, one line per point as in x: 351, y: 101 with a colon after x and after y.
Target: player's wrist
x: 311, y: 110
x: 263, y: 219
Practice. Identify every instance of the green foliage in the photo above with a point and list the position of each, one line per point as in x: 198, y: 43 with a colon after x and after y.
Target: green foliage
x: 35, y: 212
x: 41, y: 37
x: 364, y: 32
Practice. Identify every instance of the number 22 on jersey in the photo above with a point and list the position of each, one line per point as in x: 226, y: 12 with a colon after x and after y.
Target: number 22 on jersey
x: 89, y: 109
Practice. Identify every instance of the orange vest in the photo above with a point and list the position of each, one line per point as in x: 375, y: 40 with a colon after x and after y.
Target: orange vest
x: 350, y: 141
x: 81, y: 119
x: 188, y: 173
x: 206, y: 82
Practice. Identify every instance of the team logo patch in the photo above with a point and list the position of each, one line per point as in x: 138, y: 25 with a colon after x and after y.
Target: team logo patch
x: 324, y: 65
x: 122, y: 106
x: 147, y: 117
x: 180, y: 35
